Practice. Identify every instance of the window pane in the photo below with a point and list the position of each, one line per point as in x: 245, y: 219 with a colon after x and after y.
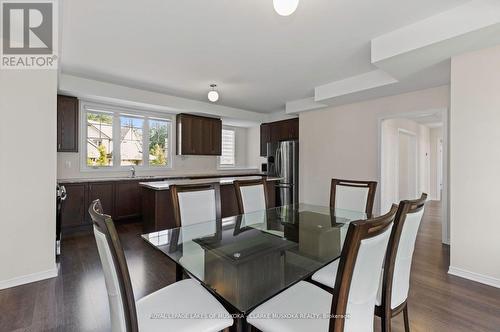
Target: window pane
x: 131, y: 140
x: 228, y: 150
x: 158, y: 142
x: 99, y: 139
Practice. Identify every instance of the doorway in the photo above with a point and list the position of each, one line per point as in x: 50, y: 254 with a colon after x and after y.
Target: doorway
x: 413, y: 159
x: 407, y: 176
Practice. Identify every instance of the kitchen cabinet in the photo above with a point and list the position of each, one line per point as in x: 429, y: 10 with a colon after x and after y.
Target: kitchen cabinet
x: 265, y: 137
x: 73, y: 210
x: 198, y: 135
x: 278, y: 131
x: 127, y: 200
x: 67, y: 124
x: 103, y: 191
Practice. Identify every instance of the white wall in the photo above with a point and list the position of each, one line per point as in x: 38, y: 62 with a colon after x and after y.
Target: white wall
x: 253, y: 148
x: 343, y: 141
x: 27, y: 175
x: 436, y: 135
x: 475, y: 166
x: 389, y: 144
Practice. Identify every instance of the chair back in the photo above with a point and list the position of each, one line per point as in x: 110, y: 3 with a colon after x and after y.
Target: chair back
x: 251, y: 195
x: 193, y: 204
x: 396, y: 278
x: 358, y: 274
x: 116, y: 275
x: 353, y: 195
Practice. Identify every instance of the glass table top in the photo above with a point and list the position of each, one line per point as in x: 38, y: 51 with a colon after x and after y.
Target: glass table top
x: 249, y: 258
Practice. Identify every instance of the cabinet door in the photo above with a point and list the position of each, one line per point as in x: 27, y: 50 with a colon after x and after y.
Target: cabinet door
x: 278, y: 131
x: 128, y: 202
x: 104, y: 192
x: 73, y: 209
x: 67, y: 124
x: 293, y: 129
x: 216, y: 137
x: 265, y: 137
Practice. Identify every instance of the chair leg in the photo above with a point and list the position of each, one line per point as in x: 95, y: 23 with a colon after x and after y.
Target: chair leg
x: 406, y: 319
x: 386, y: 323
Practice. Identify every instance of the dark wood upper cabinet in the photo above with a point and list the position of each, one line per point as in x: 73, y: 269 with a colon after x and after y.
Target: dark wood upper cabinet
x: 198, y: 135
x: 278, y: 131
x: 265, y: 137
x: 73, y: 209
x: 127, y: 200
x: 67, y: 124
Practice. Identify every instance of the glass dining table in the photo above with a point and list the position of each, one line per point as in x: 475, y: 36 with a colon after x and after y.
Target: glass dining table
x: 247, y: 259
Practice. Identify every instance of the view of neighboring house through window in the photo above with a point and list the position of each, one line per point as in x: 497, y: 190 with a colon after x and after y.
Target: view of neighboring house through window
x: 158, y: 142
x: 99, y: 139
x: 227, y: 158
x: 139, y: 139
x: 131, y: 141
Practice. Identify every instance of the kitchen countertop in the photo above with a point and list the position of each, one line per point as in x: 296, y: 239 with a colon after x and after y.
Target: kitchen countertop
x: 164, y: 185
x: 161, y: 177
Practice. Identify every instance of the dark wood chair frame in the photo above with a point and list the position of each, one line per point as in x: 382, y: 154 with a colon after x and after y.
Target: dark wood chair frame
x: 105, y: 224
x: 248, y: 183
x: 384, y: 310
x: 358, y: 231
x: 176, y: 189
x: 371, y: 185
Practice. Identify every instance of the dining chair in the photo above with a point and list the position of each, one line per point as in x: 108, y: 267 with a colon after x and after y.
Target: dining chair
x: 163, y: 310
x: 195, y: 203
x: 350, y: 308
x: 251, y: 195
x: 395, y: 282
x: 353, y: 195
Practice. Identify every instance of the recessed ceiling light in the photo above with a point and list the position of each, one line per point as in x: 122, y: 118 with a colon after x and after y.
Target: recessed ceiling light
x: 285, y: 7
x: 213, y: 95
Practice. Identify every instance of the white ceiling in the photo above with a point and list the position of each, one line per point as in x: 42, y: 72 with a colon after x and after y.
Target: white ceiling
x: 259, y: 59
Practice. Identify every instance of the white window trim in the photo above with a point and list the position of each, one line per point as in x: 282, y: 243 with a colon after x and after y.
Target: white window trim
x: 87, y: 106
x: 219, y: 165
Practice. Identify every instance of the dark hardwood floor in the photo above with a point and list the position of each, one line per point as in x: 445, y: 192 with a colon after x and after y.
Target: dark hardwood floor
x: 77, y: 301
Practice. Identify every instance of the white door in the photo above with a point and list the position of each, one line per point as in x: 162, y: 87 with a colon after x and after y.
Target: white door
x: 407, y: 166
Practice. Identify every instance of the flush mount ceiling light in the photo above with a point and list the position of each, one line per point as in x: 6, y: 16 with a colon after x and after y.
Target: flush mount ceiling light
x: 213, y: 95
x: 285, y: 7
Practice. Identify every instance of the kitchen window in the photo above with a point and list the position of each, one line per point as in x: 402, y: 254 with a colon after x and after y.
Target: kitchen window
x: 116, y: 138
x: 227, y: 158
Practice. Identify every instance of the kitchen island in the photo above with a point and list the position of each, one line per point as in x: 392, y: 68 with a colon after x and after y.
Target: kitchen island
x: 157, y: 211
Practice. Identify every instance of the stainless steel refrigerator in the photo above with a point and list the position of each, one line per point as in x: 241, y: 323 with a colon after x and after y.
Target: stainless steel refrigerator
x: 283, y: 162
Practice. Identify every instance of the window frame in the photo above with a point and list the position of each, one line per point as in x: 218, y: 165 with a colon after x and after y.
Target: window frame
x: 226, y: 166
x: 117, y: 112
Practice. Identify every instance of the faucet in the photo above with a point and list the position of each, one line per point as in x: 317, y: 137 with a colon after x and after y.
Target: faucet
x: 132, y: 171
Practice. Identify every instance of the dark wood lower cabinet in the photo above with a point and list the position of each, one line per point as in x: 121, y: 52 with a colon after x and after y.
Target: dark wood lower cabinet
x: 128, y: 200
x: 103, y: 191
x: 73, y: 212
x: 125, y: 199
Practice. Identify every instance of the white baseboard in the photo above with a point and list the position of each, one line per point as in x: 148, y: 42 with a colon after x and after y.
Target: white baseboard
x: 490, y: 281
x: 26, y: 279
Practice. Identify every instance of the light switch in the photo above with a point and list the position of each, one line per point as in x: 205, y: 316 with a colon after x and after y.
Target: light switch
x: 67, y: 164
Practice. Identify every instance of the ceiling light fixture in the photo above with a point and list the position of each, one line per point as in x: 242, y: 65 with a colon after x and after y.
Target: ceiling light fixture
x: 213, y: 95
x: 285, y: 7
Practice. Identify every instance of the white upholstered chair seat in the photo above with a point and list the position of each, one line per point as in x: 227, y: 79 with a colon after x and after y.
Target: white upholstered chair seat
x: 180, y: 298
x: 327, y: 276
x: 302, y: 298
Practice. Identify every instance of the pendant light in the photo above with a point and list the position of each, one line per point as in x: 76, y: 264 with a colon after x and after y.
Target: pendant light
x: 285, y: 7
x: 213, y: 95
